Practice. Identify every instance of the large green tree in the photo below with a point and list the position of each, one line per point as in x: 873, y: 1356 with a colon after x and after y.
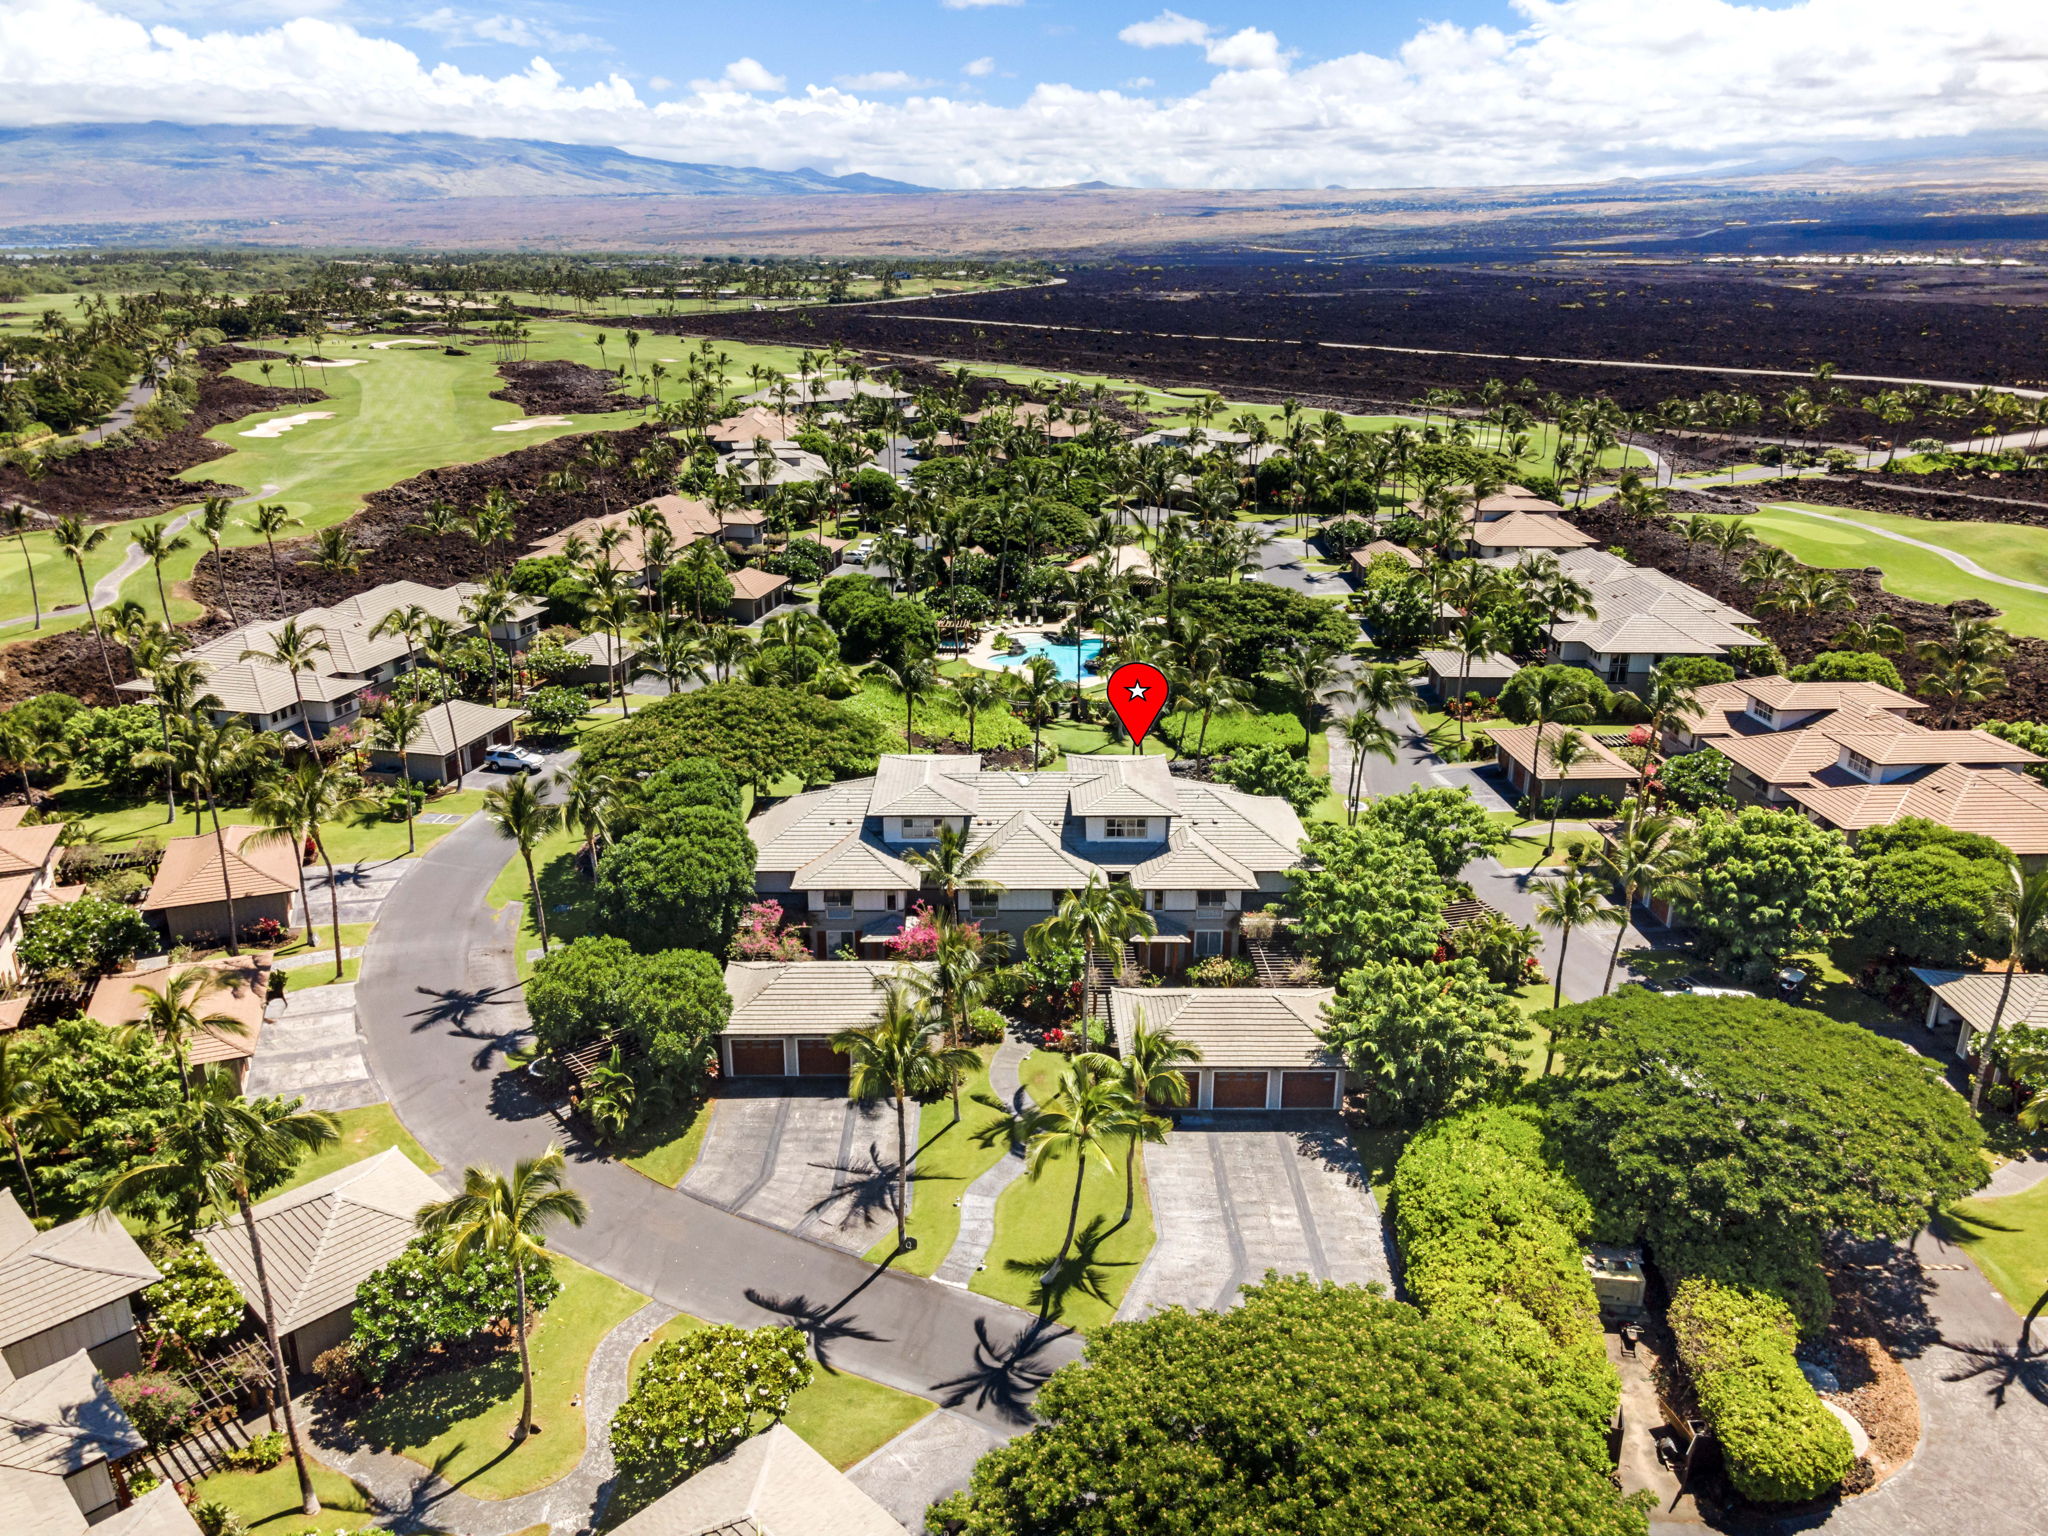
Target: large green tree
x: 681, y: 882
x: 1929, y: 905
x: 1309, y: 1408
x: 1447, y: 824
x: 761, y: 734
x: 1365, y: 894
x: 1769, y: 882
x: 672, y: 1003
x: 1426, y: 1037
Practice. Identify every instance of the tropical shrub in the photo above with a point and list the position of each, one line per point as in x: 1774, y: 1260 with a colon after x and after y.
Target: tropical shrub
x: 1273, y: 770
x: 1220, y: 971
x: 764, y: 935
x: 672, y: 1003
x: 158, y: 1404
x: 1850, y: 667
x: 83, y: 938
x: 701, y: 1394
x: 417, y: 1302
x: 261, y: 1453
x: 1779, y: 1442
x: 761, y: 734
x: 555, y: 710
x: 1425, y: 1039
x: 1696, y: 781
x: 1501, y: 947
x: 986, y: 1027
x: 194, y: 1302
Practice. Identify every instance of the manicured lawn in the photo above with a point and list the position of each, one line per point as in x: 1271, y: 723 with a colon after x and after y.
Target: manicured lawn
x: 322, y: 937
x: 365, y: 1132
x: 1526, y: 851
x: 1031, y: 1218
x: 301, y: 977
x: 119, y: 822
x: 460, y: 1422
x: 268, y: 1502
x: 2009, y: 1240
x: 2010, y: 549
x: 567, y: 896
x: 946, y: 1159
x: 666, y: 1154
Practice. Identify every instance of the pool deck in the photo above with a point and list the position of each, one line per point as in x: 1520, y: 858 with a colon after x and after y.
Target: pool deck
x: 983, y: 654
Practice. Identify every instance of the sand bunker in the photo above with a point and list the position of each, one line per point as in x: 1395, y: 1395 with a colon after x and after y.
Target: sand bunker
x: 332, y: 362
x: 402, y: 341
x: 284, y: 424
x: 527, y: 423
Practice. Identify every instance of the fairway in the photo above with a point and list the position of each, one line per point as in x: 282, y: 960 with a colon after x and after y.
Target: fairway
x: 2009, y: 549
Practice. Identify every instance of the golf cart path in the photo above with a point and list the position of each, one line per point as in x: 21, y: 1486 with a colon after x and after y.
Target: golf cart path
x: 1961, y: 562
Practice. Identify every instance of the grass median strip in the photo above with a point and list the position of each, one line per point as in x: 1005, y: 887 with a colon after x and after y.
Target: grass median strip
x: 947, y: 1157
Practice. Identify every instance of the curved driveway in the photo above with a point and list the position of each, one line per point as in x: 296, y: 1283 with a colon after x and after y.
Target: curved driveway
x: 439, y: 1004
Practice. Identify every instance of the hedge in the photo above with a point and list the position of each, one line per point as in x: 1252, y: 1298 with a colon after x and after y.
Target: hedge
x: 1779, y: 1442
x: 1490, y: 1233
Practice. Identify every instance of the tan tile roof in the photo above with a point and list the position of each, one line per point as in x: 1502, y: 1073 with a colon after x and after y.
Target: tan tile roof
x: 1233, y: 1026
x: 1784, y: 693
x: 1124, y: 560
x: 1495, y: 668
x: 245, y: 987
x: 1798, y: 755
x: 48, y: 1278
x: 61, y: 1419
x: 2009, y: 807
x: 1670, y: 629
x: 1518, y: 742
x: 855, y: 864
x: 190, y: 874
x: 926, y: 784
x: 1362, y: 558
x: 473, y: 723
x: 15, y: 891
x: 756, y: 421
x: 1529, y: 530
x: 160, y: 1512
x: 28, y: 850
x: 12, y: 815
x: 1892, y: 749
x: 771, y: 1485
x: 742, y: 517
x: 324, y: 1239
x: 687, y: 521
x: 1122, y: 786
x: 1974, y: 995
x: 807, y: 997
x: 752, y: 583
x: 1024, y: 854
x: 1192, y: 862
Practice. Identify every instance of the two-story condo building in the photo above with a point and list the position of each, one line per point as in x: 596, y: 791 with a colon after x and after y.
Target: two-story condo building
x: 1198, y: 854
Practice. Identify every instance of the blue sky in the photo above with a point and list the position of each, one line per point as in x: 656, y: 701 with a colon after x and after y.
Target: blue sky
x: 979, y: 93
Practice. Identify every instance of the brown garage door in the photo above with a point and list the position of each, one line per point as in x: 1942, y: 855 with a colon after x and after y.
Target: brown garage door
x: 756, y: 1058
x: 1238, y: 1090
x: 1308, y: 1090
x: 816, y: 1058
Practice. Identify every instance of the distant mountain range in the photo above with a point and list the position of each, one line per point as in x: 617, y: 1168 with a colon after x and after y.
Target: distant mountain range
x: 145, y: 170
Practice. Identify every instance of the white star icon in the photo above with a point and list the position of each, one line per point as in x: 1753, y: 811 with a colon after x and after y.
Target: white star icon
x: 1136, y: 690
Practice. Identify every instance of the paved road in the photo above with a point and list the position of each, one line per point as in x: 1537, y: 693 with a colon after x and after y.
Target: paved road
x: 440, y: 1005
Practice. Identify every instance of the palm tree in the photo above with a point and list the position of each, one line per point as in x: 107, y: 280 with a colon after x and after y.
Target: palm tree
x: 14, y: 519
x: 509, y: 1217
x: 2020, y: 919
x: 1956, y: 683
x: 1101, y: 915
x: 158, y: 544
x: 74, y: 541
x: 437, y: 642
x: 212, y: 523
x: 918, y: 678
x: 978, y: 691
x: 172, y: 1014
x: 517, y: 810
x: 207, y: 758
x: 591, y: 799
x: 271, y: 519
x: 1567, y: 901
x: 950, y: 867
x: 408, y: 623
x: 1565, y: 752
x: 1651, y: 856
x: 1088, y: 1109
x: 1368, y: 736
x: 491, y: 608
x: 1038, y: 696
x: 298, y: 650
x: 399, y: 725
x: 28, y: 1110
x: 1203, y: 685
x: 291, y: 806
x: 1667, y: 700
x: 1306, y: 672
x: 219, y: 1151
x: 1473, y: 638
x: 897, y: 1057
x: 1150, y: 1073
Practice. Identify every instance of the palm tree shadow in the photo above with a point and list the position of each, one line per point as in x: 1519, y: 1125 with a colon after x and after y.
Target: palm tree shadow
x: 1084, y: 1273
x: 820, y: 1323
x: 455, y: 1009
x: 863, y: 1193
x: 1005, y: 1376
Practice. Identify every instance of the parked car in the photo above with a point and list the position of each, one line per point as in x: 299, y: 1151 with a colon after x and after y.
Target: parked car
x: 1698, y: 989
x: 861, y: 552
x: 514, y: 760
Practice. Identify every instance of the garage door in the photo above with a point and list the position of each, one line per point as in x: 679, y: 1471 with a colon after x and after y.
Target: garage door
x: 816, y: 1058
x: 1308, y: 1090
x: 1238, y: 1090
x: 756, y: 1058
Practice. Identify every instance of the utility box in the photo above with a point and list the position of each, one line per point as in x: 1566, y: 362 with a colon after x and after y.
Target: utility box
x: 1618, y: 1280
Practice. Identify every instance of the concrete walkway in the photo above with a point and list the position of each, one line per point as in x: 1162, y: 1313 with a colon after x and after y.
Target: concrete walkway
x: 417, y: 1499
x: 932, y: 1458
x: 978, y: 1201
x: 311, y: 1046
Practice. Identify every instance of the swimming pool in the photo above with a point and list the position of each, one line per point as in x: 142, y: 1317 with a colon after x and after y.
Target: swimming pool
x: 1071, y: 662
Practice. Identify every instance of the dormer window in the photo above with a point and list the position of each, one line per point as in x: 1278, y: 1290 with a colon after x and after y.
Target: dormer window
x: 1763, y: 712
x: 1126, y: 826
x: 1861, y: 766
x: 921, y: 829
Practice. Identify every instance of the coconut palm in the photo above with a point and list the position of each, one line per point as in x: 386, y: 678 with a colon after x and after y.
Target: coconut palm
x: 212, y: 522
x: 488, y: 608
x: 28, y: 1110
x: 75, y: 540
x: 1368, y: 736
x: 1088, y: 1110
x: 14, y: 519
x: 2020, y: 919
x: 1474, y: 638
x: 438, y: 640
x: 918, y: 678
x: 271, y: 519
x: 1564, y: 752
x: 509, y: 1217
x: 221, y: 1151
x: 1955, y: 684
x: 979, y: 691
x: 1101, y: 915
x: 173, y: 1015
x: 1649, y: 857
x: 1869, y: 635
x: 158, y: 543
x: 1150, y: 1071
x: 590, y: 800
x: 1565, y: 902
x: 408, y: 623
x: 517, y: 811
x: 950, y: 867
x: 1667, y: 700
x: 1202, y: 686
x: 298, y: 650
x: 401, y: 723
x: 207, y: 758
x: 1307, y: 672
x: 292, y: 806
x: 898, y: 1057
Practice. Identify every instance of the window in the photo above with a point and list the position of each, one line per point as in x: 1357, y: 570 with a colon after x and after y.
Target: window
x: 837, y: 898
x: 1126, y: 826
x: 1763, y: 712
x: 918, y: 829
x: 1862, y: 766
x: 1210, y: 899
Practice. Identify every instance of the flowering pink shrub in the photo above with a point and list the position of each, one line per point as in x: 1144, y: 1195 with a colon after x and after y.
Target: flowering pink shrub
x: 918, y: 939
x: 763, y: 935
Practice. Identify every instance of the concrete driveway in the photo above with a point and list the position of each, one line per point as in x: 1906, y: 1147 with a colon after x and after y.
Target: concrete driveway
x: 800, y: 1156
x: 1236, y: 1195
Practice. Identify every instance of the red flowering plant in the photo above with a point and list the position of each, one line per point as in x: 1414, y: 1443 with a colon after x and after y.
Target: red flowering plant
x: 918, y: 938
x: 764, y: 935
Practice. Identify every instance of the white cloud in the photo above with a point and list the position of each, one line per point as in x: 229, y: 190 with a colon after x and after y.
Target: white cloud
x: 457, y: 29
x: 1169, y: 29
x: 1137, y: 83
x: 975, y: 68
x: 976, y: 5
x: 881, y: 80
x: 660, y: 83
x: 1577, y: 90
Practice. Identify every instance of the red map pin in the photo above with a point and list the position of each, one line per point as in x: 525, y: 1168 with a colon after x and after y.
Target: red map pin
x: 1137, y: 692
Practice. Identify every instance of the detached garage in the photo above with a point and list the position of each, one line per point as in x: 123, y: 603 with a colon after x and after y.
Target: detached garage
x: 785, y: 1013
x: 1260, y: 1047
